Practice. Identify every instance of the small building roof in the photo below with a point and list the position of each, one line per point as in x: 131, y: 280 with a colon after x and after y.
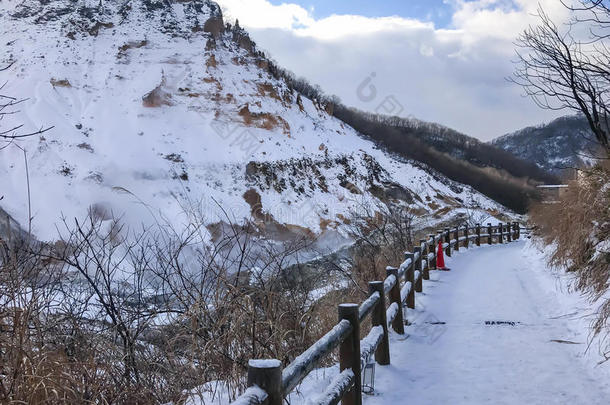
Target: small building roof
x: 553, y: 186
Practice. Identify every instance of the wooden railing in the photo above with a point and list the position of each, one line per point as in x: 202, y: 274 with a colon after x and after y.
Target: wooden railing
x: 269, y: 384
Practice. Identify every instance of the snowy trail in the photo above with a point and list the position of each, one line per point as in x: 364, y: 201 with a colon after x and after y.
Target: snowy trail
x: 465, y: 361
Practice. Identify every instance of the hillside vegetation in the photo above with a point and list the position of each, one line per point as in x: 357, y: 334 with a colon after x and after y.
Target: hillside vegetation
x: 496, y: 173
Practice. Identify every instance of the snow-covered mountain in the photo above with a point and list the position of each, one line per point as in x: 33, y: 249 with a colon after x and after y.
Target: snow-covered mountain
x: 564, y: 143
x: 160, y: 109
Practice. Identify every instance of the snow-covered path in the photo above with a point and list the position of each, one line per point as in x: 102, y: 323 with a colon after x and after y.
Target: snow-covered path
x: 451, y: 356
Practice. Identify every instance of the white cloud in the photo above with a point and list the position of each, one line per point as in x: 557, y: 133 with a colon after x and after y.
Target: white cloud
x: 454, y: 76
x: 263, y: 14
x: 426, y: 50
x: 344, y: 26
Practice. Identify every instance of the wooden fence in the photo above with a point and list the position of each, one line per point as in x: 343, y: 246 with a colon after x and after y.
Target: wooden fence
x: 269, y: 384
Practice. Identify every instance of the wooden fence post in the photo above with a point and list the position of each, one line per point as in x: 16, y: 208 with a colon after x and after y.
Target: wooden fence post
x: 457, y: 238
x: 398, y: 323
x: 440, y: 239
x: 518, y: 230
x: 509, y: 232
x: 417, y: 267
x: 411, y: 279
x: 500, y: 233
x: 432, y: 249
x: 478, y: 239
x: 448, y: 241
x: 349, y: 354
x: 379, y: 318
x: 489, y: 233
x: 267, y: 375
x: 466, y: 231
x: 424, y: 253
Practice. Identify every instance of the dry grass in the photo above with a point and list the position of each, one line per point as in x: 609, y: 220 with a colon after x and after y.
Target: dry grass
x: 263, y: 120
x: 267, y: 90
x: 578, y: 229
x: 43, y: 358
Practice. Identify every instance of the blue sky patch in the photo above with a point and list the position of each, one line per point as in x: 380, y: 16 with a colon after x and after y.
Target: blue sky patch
x: 437, y: 11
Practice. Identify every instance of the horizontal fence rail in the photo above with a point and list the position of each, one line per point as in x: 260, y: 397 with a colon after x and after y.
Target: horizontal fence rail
x: 269, y: 385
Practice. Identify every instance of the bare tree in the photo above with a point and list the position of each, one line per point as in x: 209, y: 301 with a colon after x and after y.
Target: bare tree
x: 8, y: 106
x: 13, y: 133
x: 568, y: 66
x: 383, y: 232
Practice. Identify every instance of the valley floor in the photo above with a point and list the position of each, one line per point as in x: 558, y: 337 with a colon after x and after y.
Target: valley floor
x: 493, y: 330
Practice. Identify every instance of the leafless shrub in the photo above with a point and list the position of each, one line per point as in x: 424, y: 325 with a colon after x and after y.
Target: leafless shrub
x: 113, y: 315
x: 109, y: 315
x: 383, y: 233
x: 43, y: 355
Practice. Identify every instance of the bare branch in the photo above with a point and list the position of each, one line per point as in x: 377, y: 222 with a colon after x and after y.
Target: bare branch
x: 559, y: 71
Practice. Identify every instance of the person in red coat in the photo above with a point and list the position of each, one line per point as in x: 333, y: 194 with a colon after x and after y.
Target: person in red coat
x: 440, y: 258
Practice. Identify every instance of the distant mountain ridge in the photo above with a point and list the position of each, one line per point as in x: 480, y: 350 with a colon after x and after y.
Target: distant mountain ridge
x: 472, y: 150
x: 563, y: 144
x: 492, y: 171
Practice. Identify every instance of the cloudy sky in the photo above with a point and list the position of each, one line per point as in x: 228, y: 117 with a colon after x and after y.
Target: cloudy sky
x: 438, y: 60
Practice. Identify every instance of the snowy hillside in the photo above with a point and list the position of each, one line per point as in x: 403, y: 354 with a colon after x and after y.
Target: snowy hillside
x: 155, y: 117
x: 564, y: 143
